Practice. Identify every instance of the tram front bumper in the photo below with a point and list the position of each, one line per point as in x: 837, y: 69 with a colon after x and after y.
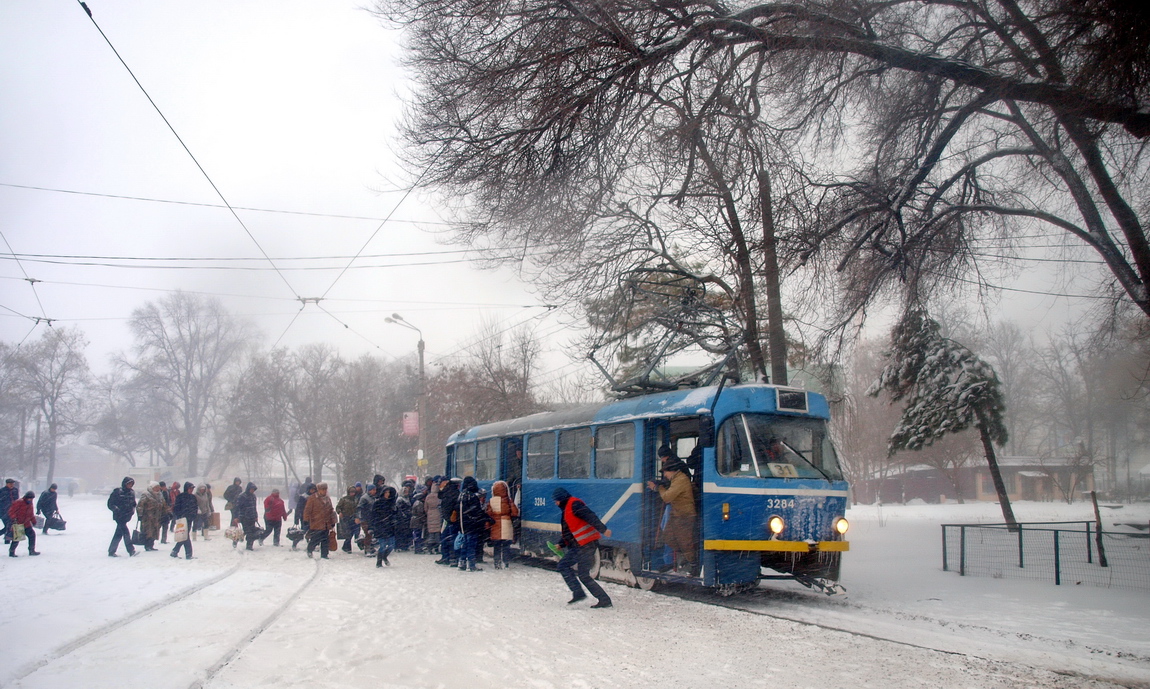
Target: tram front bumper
x: 779, y: 546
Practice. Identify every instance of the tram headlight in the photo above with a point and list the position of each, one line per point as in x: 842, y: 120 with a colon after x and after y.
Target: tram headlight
x: 841, y: 525
x: 776, y: 524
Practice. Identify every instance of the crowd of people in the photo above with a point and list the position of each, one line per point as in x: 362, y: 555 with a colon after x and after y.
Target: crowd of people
x: 449, y: 517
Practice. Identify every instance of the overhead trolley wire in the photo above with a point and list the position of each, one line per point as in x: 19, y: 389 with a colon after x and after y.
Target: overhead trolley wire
x: 216, y: 205
x: 185, y: 147
x: 27, y: 278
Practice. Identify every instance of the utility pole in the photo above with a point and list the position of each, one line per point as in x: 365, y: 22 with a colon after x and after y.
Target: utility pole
x: 421, y: 401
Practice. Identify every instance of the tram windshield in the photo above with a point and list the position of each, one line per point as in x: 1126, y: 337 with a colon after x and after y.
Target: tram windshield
x: 776, y: 447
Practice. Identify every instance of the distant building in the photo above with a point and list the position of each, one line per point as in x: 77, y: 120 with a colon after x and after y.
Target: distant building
x: 1039, y: 479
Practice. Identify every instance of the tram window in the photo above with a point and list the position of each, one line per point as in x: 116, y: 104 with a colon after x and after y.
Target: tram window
x: 615, y: 451
x: 775, y: 447
x: 575, y: 453
x: 487, y: 460
x: 465, y: 460
x: 541, y: 456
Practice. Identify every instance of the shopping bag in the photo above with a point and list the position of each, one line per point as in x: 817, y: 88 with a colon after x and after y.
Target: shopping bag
x: 39, y: 522
x: 56, y: 522
x: 181, y: 530
x: 137, y: 537
x: 215, y: 522
x: 332, y: 543
x: 18, y: 533
x: 459, y: 541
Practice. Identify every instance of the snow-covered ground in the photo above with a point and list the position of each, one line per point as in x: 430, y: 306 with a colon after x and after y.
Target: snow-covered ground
x: 77, y: 618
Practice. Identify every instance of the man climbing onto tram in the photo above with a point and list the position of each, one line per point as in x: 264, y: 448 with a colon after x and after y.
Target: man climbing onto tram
x: 581, y: 530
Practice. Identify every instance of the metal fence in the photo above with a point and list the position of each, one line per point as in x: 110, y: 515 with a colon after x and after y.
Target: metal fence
x: 1058, y: 552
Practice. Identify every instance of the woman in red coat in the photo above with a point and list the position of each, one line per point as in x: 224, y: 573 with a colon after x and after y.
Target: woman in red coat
x: 275, y: 512
x: 21, y: 512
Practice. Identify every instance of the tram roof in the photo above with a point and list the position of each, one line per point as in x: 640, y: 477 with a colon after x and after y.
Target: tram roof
x: 664, y: 404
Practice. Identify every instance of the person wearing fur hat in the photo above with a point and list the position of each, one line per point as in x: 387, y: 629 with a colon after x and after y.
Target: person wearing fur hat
x: 320, y: 517
x: 151, y: 510
x: 678, y: 494
x: 581, y: 529
x: 186, y: 507
x: 247, y: 514
x: 20, y: 513
x: 47, y: 505
x: 122, y: 503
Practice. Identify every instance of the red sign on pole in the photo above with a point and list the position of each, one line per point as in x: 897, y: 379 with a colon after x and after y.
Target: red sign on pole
x: 411, y: 423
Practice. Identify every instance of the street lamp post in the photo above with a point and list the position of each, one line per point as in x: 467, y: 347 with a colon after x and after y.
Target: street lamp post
x: 421, y: 402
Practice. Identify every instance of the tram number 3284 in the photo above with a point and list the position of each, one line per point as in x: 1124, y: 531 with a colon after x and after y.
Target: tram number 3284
x: 780, y: 504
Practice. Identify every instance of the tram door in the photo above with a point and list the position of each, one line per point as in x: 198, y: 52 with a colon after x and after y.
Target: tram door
x: 512, y: 472
x: 682, y: 436
x: 655, y: 554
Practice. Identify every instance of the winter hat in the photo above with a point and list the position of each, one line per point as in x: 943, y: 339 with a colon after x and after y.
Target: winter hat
x: 29, y: 495
x: 664, y: 451
x: 251, y: 487
x: 560, y: 495
x: 470, y: 484
x: 10, y: 480
x: 359, y: 484
x: 321, y: 486
x: 53, y: 487
x: 674, y: 465
x: 153, y: 484
x: 188, y: 486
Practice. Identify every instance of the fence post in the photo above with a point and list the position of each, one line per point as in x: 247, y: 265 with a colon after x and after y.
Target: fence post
x: 944, y: 548
x: 962, y: 551
x: 1057, y: 564
x: 1089, y: 550
x: 1020, y: 529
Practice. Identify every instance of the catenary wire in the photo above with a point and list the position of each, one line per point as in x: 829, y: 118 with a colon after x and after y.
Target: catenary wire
x: 185, y: 147
x: 337, y: 216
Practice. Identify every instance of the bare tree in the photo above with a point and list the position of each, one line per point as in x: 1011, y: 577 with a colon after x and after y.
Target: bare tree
x: 184, y: 345
x: 965, y: 120
x: 54, y: 372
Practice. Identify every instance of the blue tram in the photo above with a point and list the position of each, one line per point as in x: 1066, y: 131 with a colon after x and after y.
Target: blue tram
x: 769, y: 491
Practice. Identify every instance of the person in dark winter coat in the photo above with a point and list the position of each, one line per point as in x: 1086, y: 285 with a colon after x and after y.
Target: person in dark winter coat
x: 383, y: 525
x: 275, y: 512
x: 363, y: 519
x: 46, y: 505
x: 449, y: 513
x: 473, y: 521
x: 188, y: 508
x: 345, y: 511
x: 122, y: 502
x: 306, y: 491
x: 20, y: 512
x: 230, y: 494
x: 247, y: 514
x: 8, y: 495
x: 581, y: 529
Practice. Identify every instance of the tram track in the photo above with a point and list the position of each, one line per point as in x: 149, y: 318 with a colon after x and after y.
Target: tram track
x: 241, y: 587
x: 237, y: 648
x: 753, y: 603
x: 129, y: 618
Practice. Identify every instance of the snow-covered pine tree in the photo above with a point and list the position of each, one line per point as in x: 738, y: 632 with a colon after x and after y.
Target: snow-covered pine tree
x: 947, y: 389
